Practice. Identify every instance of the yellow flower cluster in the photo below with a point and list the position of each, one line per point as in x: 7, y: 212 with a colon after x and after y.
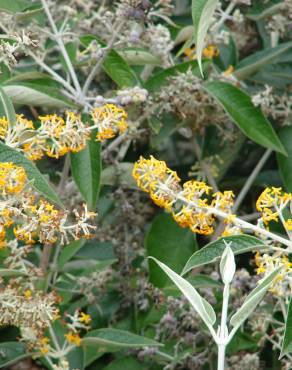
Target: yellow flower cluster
x: 209, y: 52
x: 267, y: 264
x: 189, y: 204
x: 110, y: 121
x: 57, y: 136
x: 271, y: 203
x: 78, y: 321
x: 35, y: 218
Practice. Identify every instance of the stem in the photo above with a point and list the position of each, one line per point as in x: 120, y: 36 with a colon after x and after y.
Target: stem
x: 221, y: 356
x: 62, y: 47
x: 64, y: 175
x: 251, y: 179
x: 55, y: 75
x: 96, y: 68
x: 45, y: 257
x: 223, y: 332
x: 204, y: 166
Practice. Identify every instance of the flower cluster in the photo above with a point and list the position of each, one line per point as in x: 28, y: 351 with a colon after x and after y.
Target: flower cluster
x: 271, y: 204
x: 32, y: 313
x: 265, y: 263
x: 57, y: 136
x: 33, y: 218
x: 189, y: 204
x: 78, y: 321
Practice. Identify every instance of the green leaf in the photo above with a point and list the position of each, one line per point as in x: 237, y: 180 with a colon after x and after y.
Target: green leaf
x: 114, y: 65
x: 6, y: 107
x: 69, y: 251
x: 202, y: 12
x: 86, y: 171
x: 245, y: 115
x: 159, y: 79
x: 252, y: 300
x: 212, y: 252
x: 76, y: 358
x: 138, y: 57
x: 109, y: 339
x: 126, y: 363
x: 287, y: 341
x: 120, y: 173
x: 101, y: 341
x: 9, y: 272
x: 8, y: 154
x: 201, y: 306
x: 13, y: 6
x: 285, y: 163
x: 256, y: 61
x: 12, y: 352
x: 119, y: 71
x: 169, y: 243
x: 36, y: 95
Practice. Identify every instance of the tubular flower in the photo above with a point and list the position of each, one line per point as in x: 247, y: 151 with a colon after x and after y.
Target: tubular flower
x: 271, y: 203
x: 188, y: 204
x: 155, y: 178
x: 57, y: 136
x: 109, y: 120
x: 266, y: 264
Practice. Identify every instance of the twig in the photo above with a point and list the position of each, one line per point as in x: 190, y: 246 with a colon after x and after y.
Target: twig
x: 204, y: 165
x: 250, y: 180
x: 109, y: 47
x: 62, y: 48
x: 45, y: 257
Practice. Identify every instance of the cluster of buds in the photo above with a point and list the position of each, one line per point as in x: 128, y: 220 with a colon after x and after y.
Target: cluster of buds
x: 282, y: 285
x: 189, y: 203
x: 33, y: 218
x: 57, y: 136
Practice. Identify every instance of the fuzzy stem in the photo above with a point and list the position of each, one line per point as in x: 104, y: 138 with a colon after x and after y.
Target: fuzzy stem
x: 45, y: 257
x: 62, y: 47
x: 107, y: 50
x: 251, y: 179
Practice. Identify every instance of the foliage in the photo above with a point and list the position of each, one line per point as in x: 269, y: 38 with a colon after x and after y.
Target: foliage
x: 145, y: 184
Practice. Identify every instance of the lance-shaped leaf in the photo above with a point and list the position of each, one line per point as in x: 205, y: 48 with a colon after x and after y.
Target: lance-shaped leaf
x: 250, y: 119
x: 39, y: 182
x: 252, y: 300
x: 202, y: 12
x: 212, y: 252
x: 6, y: 107
x: 287, y: 341
x: 202, y: 307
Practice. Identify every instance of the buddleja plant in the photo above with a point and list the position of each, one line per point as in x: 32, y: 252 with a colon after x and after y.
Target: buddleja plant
x: 97, y: 98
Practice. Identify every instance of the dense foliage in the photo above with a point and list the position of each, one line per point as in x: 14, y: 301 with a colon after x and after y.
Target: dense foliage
x: 145, y: 184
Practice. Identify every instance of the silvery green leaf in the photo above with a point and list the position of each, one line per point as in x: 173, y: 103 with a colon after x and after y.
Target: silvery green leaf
x: 227, y: 265
x: 252, y: 300
x: 202, y: 307
x: 202, y: 12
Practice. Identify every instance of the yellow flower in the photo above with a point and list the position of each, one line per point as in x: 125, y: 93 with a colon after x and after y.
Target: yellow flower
x: 12, y: 178
x: 288, y: 224
x: 73, y: 338
x: 84, y: 318
x: 110, y: 120
x: 228, y: 71
x: 27, y: 293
